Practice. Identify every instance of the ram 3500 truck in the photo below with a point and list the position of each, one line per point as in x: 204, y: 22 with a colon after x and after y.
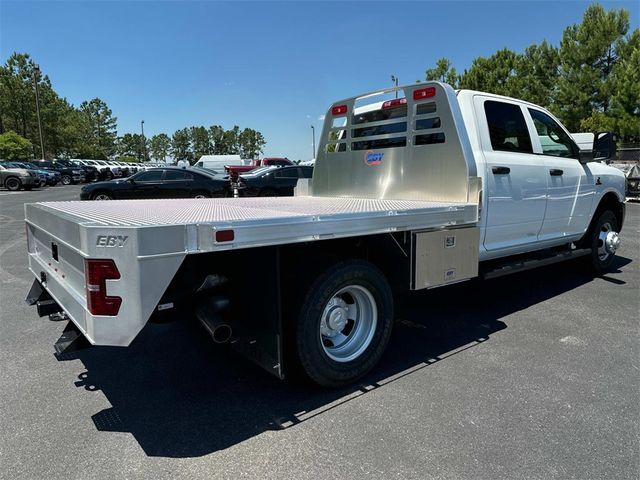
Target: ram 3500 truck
x: 418, y: 192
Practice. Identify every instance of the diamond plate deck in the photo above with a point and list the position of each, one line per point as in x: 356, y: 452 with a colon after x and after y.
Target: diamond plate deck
x: 141, y: 213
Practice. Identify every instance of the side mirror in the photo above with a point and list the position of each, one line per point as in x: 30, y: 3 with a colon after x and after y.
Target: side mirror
x: 604, y: 146
x: 585, y: 156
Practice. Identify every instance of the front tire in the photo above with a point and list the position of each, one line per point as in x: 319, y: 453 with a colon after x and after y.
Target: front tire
x: 344, y: 324
x: 602, y: 241
x: 66, y: 180
x: 201, y: 195
x: 13, y: 184
x: 101, y: 196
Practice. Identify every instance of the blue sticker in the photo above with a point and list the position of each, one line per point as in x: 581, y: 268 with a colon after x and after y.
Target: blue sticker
x: 373, y: 158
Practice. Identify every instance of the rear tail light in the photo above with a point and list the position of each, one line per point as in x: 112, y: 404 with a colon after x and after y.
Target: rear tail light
x: 398, y: 102
x: 96, y: 273
x: 424, y: 93
x: 224, y: 236
x: 338, y: 110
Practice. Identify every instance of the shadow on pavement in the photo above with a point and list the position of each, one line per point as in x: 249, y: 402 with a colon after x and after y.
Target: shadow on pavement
x: 181, y: 396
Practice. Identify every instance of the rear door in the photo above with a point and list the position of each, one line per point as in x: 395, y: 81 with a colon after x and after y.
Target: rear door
x: 144, y: 185
x: 176, y: 184
x: 571, y: 184
x: 516, y: 180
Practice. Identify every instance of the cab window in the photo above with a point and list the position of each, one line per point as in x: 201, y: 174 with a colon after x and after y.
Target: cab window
x: 150, y: 176
x: 507, y: 128
x: 177, y: 175
x: 553, y: 139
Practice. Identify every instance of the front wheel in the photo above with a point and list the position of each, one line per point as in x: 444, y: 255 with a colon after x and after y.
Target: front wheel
x: 604, y: 241
x: 13, y: 184
x: 101, y: 196
x: 344, y: 323
x: 66, y: 180
x: 201, y: 195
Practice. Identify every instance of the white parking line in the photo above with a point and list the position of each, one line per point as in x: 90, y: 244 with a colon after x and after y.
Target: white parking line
x: 11, y: 193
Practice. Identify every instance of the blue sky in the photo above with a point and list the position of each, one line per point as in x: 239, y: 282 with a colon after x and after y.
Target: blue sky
x: 272, y: 66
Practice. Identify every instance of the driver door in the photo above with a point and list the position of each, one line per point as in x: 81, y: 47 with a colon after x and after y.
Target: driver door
x: 144, y: 185
x: 571, y: 186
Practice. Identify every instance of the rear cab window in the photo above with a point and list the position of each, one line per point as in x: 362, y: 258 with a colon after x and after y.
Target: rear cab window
x: 508, y: 129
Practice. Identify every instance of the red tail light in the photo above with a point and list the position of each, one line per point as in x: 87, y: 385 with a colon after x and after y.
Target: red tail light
x: 224, y: 236
x: 424, y: 93
x: 398, y: 102
x: 96, y: 273
x: 338, y: 110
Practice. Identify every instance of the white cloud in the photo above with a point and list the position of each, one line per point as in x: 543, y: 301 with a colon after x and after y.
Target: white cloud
x: 321, y: 118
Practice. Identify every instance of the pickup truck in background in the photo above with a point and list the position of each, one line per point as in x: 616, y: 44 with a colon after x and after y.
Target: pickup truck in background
x: 235, y: 170
x: 69, y: 174
x: 423, y: 191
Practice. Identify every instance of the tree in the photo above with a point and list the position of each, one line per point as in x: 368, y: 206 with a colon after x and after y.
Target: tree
x: 132, y: 145
x: 14, y: 147
x: 200, y: 142
x: 99, y: 129
x: 181, y: 145
x: 536, y: 74
x: 216, y: 139
x: 494, y: 74
x: 231, y: 141
x: 588, y: 55
x: 625, y: 101
x: 159, y: 146
x: 251, y: 143
x: 443, y: 72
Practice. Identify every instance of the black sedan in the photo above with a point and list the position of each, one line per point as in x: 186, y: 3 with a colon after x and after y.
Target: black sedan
x: 272, y: 181
x: 169, y: 182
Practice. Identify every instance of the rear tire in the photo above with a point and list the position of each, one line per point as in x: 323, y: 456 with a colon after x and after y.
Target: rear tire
x: 600, y: 258
x: 344, y: 324
x: 201, y: 195
x: 13, y: 184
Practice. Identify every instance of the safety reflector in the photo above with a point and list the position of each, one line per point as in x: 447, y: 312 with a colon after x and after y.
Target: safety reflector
x: 398, y: 102
x: 96, y: 273
x: 338, y: 110
x: 224, y: 236
x: 424, y: 93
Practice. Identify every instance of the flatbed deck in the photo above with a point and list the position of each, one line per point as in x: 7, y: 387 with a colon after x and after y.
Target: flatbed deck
x: 255, y: 221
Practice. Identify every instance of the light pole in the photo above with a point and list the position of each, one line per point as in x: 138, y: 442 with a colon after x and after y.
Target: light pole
x: 313, y: 132
x: 144, y: 143
x: 36, y: 78
x: 394, y: 79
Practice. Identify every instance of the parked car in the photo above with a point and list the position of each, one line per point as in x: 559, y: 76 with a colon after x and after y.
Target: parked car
x: 235, y: 170
x: 167, y: 182
x: 15, y: 179
x: 46, y: 177
x: 89, y: 172
x: 52, y: 177
x: 272, y: 181
x: 69, y: 174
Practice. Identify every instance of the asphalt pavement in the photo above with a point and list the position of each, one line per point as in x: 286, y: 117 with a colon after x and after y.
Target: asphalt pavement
x: 532, y: 376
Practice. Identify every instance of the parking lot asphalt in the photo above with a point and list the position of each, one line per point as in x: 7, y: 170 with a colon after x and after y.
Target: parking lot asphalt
x: 533, y: 376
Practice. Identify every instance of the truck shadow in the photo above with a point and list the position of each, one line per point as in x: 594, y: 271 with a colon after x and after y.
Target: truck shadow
x: 181, y: 396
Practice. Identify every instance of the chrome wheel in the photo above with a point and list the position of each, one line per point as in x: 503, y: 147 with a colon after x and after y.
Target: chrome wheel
x: 66, y: 180
x: 102, y: 196
x: 200, y: 195
x: 348, y: 323
x: 608, y: 241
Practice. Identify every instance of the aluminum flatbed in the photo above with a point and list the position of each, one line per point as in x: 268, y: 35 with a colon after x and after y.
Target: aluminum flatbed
x: 254, y: 221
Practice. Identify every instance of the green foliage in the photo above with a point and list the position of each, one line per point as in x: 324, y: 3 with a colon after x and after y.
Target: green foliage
x: 128, y: 159
x: 132, y: 145
x: 443, y: 72
x: 251, y: 143
x: 14, y: 147
x: 588, y: 55
x: 98, y: 130
x: 181, y: 145
x: 592, y: 81
x: 160, y: 146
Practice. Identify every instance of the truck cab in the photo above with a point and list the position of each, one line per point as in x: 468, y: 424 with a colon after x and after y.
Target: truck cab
x: 537, y: 190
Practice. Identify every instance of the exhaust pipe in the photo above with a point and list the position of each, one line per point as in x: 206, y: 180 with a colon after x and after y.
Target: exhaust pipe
x: 209, y: 312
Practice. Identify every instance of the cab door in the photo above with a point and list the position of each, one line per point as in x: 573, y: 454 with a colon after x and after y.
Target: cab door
x: 571, y: 184
x: 515, y: 178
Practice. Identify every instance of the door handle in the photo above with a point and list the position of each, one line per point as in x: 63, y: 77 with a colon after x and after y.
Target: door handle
x: 500, y: 170
x: 555, y: 172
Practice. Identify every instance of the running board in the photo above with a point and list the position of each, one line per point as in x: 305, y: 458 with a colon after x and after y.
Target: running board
x: 522, y: 265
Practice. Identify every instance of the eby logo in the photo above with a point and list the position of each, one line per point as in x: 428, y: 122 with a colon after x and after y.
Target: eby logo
x: 373, y: 158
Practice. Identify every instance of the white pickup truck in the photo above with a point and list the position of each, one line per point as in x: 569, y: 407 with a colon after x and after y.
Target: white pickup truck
x: 429, y: 189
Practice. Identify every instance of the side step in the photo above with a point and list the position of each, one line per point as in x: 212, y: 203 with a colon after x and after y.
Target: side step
x: 523, y: 264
